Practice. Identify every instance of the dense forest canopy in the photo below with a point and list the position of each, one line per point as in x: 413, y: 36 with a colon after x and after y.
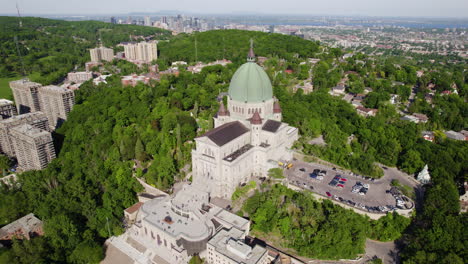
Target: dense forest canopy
x: 52, y: 48
x: 82, y: 194
x: 234, y: 45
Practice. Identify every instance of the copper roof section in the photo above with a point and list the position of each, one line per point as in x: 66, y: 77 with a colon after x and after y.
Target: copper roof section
x: 276, y: 107
x: 222, y: 110
x: 256, y: 119
x: 134, y: 208
x: 271, y: 126
x: 226, y: 133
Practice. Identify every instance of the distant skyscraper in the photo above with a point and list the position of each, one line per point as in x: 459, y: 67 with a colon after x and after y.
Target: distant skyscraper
x: 26, y: 95
x: 56, y: 103
x: 34, y: 147
x: 147, y: 21
x: 143, y: 51
x: 164, y: 20
x: 101, y: 54
x: 36, y: 119
x: 113, y: 20
x: 7, y: 109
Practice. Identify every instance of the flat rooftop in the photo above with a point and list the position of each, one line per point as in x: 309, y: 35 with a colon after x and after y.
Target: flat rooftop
x: 30, y: 131
x: 233, y: 156
x: 5, y: 102
x: 54, y: 88
x: 27, y: 223
x: 235, y: 220
x: 19, y: 118
x: 230, y: 243
x: 179, y: 215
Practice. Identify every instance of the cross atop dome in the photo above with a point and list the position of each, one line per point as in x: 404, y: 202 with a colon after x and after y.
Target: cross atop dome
x: 251, y: 55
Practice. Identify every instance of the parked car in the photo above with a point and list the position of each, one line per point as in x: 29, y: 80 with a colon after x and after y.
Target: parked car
x: 340, y: 185
x: 342, y: 182
x: 328, y: 194
x: 344, y: 179
x: 302, y: 169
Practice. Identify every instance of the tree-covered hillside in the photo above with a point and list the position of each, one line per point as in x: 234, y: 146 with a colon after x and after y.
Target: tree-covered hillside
x: 51, y: 48
x: 234, y: 45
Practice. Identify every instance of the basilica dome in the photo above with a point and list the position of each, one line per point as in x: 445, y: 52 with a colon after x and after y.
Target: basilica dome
x: 250, y: 84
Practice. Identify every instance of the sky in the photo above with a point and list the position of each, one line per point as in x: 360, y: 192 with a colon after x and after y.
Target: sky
x: 392, y: 8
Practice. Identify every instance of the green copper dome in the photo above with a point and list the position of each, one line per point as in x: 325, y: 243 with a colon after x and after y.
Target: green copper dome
x: 250, y: 84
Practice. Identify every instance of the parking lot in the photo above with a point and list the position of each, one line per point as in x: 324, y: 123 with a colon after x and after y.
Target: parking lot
x: 369, y: 195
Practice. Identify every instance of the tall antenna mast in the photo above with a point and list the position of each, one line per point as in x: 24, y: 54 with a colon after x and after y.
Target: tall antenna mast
x: 19, y: 16
x: 196, y: 51
x: 20, y: 56
x: 100, y: 38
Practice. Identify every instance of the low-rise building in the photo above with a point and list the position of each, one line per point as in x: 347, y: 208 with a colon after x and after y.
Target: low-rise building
x: 101, y: 79
x: 455, y: 135
x: 306, y: 86
x: 428, y: 135
x: 171, y: 229
x: 26, y: 227
x: 366, y: 112
x: 197, y: 68
x: 416, y: 118
x: 338, y: 90
x: 229, y: 247
x: 79, y: 77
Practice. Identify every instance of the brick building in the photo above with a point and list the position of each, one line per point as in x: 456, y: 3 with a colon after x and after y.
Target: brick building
x: 26, y: 227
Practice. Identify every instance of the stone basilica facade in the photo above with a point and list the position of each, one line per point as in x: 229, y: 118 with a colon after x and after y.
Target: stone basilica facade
x: 249, y: 137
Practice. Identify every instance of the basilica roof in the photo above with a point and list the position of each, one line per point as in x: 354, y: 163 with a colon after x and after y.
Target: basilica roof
x: 250, y: 84
x: 226, y: 133
x: 271, y: 126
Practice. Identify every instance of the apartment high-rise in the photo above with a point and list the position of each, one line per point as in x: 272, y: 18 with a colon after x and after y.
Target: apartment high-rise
x: 37, y: 119
x: 147, y: 21
x: 101, y: 54
x: 56, y: 103
x: 26, y: 95
x: 144, y: 52
x: 34, y: 147
x: 7, y: 109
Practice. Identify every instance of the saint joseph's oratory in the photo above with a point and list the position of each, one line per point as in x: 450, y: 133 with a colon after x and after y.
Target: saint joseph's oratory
x: 249, y: 137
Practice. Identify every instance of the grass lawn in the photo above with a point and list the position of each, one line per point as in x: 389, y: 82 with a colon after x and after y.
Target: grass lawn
x: 5, y: 91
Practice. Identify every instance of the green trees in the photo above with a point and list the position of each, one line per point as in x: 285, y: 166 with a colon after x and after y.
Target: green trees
x: 234, y: 44
x: 317, y: 229
x: 5, y: 164
x: 51, y: 48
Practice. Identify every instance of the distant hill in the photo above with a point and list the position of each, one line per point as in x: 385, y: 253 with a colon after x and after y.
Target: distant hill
x: 234, y: 45
x: 51, y: 48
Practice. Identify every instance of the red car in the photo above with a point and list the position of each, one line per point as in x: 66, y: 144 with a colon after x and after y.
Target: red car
x: 340, y: 185
x: 344, y: 179
x: 328, y: 194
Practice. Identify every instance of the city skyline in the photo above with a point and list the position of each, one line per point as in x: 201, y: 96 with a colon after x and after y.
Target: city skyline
x: 398, y: 8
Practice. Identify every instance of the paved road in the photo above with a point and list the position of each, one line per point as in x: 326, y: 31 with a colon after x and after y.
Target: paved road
x: 386, y: 251
x: 376, y: 196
